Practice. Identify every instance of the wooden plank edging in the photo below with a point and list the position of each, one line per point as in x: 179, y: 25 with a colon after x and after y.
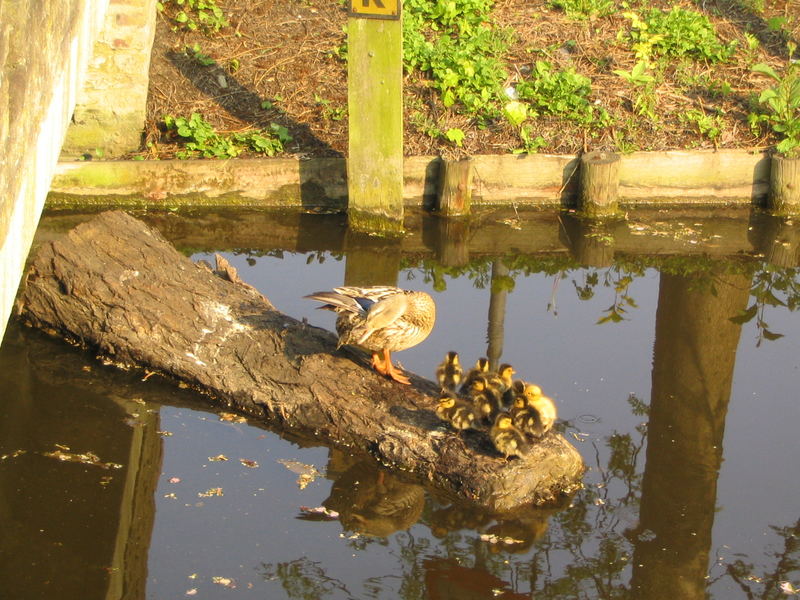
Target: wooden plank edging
x: 738, y: 176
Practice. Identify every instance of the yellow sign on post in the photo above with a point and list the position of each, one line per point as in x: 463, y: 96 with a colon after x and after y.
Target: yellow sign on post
x: 375, y: 9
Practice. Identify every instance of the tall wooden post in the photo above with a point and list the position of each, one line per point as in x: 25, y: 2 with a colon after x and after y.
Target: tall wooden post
x: 375, y: 105
x: 599, y: 185
x: 784, y: 185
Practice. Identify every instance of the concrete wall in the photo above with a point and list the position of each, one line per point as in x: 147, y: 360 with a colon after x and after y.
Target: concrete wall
x: 44, y: 49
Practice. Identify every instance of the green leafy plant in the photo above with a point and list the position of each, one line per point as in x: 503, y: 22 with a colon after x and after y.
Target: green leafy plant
x: 201, y: 139
x: 204, y: 15
x: 564, y: 93
x: 455, y: 135
x: 531, y: 144
x: 709, y: 126
x: 584, y: 9
x: 197, y: 54
x: 448, y: 41
x: 329, y: 111
x: 782, y: 106
x: 676, y: 33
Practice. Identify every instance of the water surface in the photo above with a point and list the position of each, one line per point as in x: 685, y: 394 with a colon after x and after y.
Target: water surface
x: 673, y: 357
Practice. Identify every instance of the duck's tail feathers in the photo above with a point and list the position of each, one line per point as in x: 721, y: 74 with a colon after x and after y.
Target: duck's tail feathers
x: 336, y: 302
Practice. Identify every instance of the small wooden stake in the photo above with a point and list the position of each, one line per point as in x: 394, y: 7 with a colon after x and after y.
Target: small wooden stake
x: 599, y: 184
x: 784, y: 185
x: 375, y: 107
x: 455, y: 187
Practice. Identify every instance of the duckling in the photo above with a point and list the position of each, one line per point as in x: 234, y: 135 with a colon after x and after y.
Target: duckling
x: 456, y: 412
x: 544, y: 405
x: 526, y: 418
x: 517, y: 389
x: 481, y: 368
x: 449, y: 372
x: 485, y: 400
x: 502, y: 380
x: 508, y: 440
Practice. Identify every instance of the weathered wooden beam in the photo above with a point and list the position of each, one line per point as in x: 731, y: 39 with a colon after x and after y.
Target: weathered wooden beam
x: 118, y: 287
x: 375, y: 113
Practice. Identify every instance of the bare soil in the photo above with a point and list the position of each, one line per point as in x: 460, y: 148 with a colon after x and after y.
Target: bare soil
x: 285, y: 52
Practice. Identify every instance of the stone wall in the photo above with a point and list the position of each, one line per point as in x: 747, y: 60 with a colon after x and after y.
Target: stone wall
x: 110, y: 112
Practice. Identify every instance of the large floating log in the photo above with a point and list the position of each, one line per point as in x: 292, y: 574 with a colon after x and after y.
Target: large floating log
x: 118, y: 287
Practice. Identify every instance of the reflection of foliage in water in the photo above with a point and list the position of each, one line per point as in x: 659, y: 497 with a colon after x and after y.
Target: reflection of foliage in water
x: 771, y: 286
x: 303, y: 579
x: 776, y: 583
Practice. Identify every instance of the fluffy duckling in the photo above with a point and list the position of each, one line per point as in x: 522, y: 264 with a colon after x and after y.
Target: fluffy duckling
x: 449, y: 372
x: 508, y: 440
x: 544, y: 405
x: 456, y: 412
x: 526, y: 418
x: 485, y: 400
x: 481, y: 368
x: 501, y: 381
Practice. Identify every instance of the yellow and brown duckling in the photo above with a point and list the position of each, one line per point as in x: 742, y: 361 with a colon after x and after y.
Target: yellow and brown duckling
x: 459, y: 413
x: 484, y: 398
x: 481, y: 368
x: 526, y: 418
x: 380, y: 319
x: 449, y: 372
x: 544, y: 405
x: 501, y: 382
x: 507, y: 439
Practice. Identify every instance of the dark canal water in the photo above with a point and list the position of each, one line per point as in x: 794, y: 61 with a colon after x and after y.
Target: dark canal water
x: 671, y: 346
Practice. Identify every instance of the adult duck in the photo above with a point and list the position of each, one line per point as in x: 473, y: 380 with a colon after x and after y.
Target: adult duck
x: 381, y: 320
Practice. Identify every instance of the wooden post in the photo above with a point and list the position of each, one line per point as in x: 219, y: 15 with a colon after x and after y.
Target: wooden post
x: 784, y: 185
x: 375, y: 105
x: 454, y: 191
x: 599, y: 184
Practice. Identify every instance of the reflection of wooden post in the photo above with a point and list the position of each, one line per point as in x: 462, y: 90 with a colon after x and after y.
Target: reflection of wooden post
x: 599, y: 176
x: 455, y: 187
x: 778, y: 239
x: 591, y: 242
x: 375, y: 109
x: 450, y: 241
x: 371, y: 261
x: 784, y: 185
x: 693, y: 363
x: 497, y: 315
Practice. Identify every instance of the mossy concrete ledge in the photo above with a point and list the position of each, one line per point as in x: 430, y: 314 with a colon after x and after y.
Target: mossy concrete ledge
x: 712, y: 178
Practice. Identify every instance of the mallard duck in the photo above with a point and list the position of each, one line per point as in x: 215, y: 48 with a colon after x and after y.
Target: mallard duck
x: 381, y: 319
x: 449, y: 372
x: 481, y: 368
x: 501, y: 381
x: 456, y: 412
x: 544, y: 405
x: 508, y: 440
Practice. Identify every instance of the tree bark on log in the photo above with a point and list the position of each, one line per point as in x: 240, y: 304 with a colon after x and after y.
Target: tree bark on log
x: 118, y: 287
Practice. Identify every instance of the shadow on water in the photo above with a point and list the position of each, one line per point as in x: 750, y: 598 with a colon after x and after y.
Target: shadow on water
x: 641, y: 528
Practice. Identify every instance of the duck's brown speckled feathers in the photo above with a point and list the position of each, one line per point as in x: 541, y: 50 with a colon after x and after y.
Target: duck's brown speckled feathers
x: 381, y: 319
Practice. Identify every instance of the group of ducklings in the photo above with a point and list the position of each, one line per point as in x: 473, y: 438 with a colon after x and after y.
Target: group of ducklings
x: 514, y: 410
